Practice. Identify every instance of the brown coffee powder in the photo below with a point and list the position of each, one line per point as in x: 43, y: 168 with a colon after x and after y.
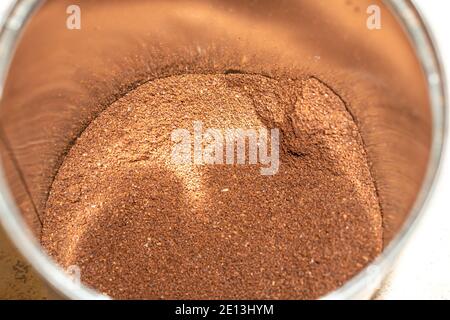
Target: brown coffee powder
x: 140, y: 226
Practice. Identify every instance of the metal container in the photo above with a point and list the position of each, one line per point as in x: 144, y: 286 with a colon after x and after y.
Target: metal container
x: 56, y: 76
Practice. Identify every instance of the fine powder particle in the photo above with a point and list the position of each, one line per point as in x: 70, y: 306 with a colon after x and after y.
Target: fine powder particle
x: 140, y: 226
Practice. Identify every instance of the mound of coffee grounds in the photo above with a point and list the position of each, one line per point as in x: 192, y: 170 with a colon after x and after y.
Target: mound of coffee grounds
x: 141, y: 226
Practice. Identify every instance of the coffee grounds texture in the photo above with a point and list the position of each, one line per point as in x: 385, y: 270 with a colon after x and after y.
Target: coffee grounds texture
x: 141, y: 227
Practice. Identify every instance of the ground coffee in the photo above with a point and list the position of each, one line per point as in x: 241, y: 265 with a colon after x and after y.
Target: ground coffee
x: 140, y: 226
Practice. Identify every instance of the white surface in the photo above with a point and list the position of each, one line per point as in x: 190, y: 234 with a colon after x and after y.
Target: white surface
x: 423, y: 271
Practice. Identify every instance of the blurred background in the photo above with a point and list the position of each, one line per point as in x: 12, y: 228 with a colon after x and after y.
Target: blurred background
x: 422, y: 271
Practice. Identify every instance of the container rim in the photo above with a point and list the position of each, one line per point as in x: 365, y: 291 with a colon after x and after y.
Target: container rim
x: 422, y: 41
